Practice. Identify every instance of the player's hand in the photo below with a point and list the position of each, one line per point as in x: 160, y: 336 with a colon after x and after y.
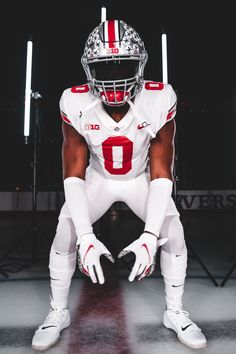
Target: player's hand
x: 89, y: 252
x: 145, y: 249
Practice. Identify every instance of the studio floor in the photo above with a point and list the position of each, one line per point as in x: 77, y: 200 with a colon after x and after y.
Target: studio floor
x: 118, y: 317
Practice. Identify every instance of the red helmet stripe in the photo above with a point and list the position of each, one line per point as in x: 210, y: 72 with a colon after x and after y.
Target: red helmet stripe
x: 111, y: 33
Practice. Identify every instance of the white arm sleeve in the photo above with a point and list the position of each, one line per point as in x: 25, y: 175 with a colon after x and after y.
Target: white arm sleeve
x: 77, y: 203
x: 159, y: 196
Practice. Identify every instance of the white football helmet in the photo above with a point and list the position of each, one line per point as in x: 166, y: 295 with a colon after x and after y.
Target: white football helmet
x: 114, y: 59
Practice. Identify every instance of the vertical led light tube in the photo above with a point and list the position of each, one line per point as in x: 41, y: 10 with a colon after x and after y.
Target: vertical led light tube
x: 28, y: 91
x: 103, y: 14
x: 164, y: 58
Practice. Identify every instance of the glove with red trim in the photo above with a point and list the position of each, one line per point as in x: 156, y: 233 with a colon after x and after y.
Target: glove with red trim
x: 89, y: 252
x: 145, y: 250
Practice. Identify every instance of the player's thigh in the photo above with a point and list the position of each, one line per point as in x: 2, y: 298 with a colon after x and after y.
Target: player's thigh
x: 100, y: 196
x: 136, y: 195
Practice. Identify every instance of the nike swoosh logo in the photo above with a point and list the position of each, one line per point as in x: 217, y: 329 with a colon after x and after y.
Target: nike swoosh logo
x: 183, y: 329
x: 177, y: 286
x: 146, y: 247
x: 143, y: 125
x: 47, y: 327
x: 88, y: 249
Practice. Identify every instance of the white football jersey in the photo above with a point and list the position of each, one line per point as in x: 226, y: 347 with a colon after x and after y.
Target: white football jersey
x: 119, y: 150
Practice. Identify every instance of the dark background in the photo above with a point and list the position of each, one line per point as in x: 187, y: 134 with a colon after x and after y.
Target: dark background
x: 201, y: 63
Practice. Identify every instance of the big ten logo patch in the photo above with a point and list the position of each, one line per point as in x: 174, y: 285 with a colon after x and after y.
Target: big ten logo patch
x: 92, y: 127
x: 112, y: 50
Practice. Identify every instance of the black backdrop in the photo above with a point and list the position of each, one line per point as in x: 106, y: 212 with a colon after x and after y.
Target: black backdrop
x: 201, y: 62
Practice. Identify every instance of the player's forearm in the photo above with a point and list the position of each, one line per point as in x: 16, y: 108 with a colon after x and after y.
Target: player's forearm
x: 77, y: 203
x: 162, y: 162
x: 162, y: 152
x: 157, y: 204
x: 74, y: 161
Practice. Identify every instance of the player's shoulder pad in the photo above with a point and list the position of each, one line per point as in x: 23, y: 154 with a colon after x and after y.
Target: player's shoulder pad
x: 153, y: 87
x: 72, y: 102
x: 162, y: 97
x: 160, y: 92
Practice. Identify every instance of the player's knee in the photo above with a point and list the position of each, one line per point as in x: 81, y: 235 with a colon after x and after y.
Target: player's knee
x: 62, y: 256
x: 62, y: 266
x: 175, y: 232
x: 60, y: 279
x: 65, y: 239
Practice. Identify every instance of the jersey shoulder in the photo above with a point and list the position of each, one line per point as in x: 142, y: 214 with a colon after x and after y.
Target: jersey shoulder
x: 72, y: 102
x: 155, y: 88
x: 160, y: 101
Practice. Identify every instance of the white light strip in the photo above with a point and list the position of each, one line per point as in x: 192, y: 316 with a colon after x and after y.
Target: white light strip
x: 164, y: 58
x: 28, y: 89
x: 103, y: 14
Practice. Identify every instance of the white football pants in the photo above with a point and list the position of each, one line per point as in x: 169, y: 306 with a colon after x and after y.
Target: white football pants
x: 102, y: 193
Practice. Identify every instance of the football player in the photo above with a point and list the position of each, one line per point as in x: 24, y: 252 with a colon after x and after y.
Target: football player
x: 125, y: 125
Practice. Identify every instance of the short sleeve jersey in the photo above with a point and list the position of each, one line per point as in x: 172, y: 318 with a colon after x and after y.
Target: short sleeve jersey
x: 119, y: 150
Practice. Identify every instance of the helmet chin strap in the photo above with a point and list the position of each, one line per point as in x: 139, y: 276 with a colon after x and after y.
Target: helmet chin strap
x: 137, y: 116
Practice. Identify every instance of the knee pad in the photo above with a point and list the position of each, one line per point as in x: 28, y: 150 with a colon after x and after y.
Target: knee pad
x: 65, y: 238
x: 172, y: 228
x: 62, y: 267
x: 173, y: 266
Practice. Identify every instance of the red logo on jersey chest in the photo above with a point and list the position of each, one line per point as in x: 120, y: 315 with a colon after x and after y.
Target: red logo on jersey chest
x: 92, y: 127
x: 143, y: 125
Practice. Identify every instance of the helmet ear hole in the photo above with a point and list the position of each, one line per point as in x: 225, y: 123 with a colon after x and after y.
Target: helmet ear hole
x: 114, y: 58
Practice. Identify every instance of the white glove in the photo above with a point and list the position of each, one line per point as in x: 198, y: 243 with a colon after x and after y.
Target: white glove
x: 89, y: 251
x: 145, y: 250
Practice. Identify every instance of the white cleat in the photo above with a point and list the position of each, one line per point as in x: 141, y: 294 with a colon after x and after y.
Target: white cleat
x: 49, y: 332
x: 187, y: 331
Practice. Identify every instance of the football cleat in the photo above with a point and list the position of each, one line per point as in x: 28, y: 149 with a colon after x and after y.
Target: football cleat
x: 187, y: 331
x: 49, y: 332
